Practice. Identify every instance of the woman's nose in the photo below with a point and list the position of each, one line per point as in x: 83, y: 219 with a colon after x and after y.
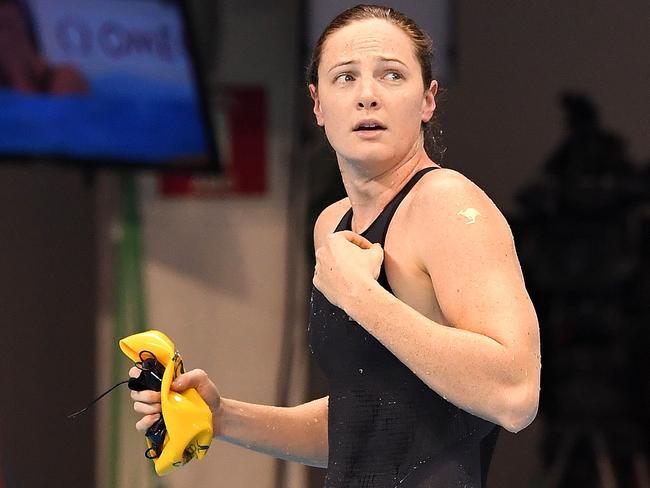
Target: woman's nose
x: 367, y: 96
x: 367, y: 103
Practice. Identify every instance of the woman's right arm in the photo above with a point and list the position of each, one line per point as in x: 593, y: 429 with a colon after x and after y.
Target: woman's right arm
x: 293, y: 433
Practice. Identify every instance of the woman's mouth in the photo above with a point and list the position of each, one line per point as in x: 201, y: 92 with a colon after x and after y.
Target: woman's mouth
x: 369, y: 128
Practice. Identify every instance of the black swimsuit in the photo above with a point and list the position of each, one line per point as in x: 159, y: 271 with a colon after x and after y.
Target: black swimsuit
x: 386, y: 427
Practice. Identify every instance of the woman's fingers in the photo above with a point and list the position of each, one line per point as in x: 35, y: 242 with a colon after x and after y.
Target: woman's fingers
x: 356, y: 239
x: 147, y: 408
x: 146, y: 402
x: 199, y: 379
x: 147, y: 421
x: 146, y: 396
x: 192, y: 379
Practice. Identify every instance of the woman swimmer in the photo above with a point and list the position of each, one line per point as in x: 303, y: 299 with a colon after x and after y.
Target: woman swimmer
x: 425, y: 329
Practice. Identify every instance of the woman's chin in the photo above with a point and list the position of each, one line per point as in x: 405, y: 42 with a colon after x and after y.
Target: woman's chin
x: 369, y: 157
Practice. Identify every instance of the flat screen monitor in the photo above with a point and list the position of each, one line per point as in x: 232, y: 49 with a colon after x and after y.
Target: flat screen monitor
x: 102, y: 82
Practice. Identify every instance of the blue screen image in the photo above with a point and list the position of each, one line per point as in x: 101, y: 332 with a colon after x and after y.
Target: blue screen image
x: 99, y: 79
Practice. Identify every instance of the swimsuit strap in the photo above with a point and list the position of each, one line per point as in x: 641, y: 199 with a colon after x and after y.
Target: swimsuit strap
x: 386, y: 215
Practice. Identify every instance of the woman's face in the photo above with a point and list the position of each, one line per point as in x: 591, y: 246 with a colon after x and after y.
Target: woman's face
x: 370, y: 96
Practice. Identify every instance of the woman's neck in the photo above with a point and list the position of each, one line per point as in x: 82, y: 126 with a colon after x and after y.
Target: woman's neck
x: 371, y: 189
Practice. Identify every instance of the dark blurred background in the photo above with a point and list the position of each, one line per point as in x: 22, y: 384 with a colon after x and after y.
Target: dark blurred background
x: 545, y: 107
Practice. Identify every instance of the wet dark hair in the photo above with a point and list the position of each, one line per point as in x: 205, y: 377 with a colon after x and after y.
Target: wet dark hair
x: 423, y: 52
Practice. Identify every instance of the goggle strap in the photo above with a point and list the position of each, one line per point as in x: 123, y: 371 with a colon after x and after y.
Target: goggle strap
x: 76, y: 414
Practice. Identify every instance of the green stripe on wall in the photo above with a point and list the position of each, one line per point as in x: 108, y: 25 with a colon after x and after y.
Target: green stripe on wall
x: 130, y: 316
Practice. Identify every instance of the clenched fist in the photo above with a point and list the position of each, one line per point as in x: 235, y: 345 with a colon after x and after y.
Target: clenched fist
x: 344, y: 264
x: 148, y: 402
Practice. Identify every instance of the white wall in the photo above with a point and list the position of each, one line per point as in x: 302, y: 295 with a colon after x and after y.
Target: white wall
x: 215, y: 268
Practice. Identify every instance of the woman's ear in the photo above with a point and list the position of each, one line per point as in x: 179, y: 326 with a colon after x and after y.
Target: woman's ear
x: 429, y: 101
x: 313, y: 91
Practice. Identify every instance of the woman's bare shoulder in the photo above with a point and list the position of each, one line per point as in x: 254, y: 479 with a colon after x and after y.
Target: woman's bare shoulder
x: 451, y: 214
x: 446, y: 178
x: 447, y: 192
x: 328, y: 220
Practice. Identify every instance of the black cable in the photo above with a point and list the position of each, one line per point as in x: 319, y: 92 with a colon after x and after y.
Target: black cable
x: 76, y: 414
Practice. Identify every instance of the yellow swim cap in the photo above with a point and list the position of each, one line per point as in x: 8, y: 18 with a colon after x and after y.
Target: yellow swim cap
x: 187, y: 417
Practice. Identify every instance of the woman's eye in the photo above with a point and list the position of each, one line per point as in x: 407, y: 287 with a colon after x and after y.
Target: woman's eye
x: 344, y: 77
x: 393, y: 76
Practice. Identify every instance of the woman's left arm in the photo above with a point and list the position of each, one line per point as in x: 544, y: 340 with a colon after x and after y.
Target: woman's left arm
x: 488, y: 361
